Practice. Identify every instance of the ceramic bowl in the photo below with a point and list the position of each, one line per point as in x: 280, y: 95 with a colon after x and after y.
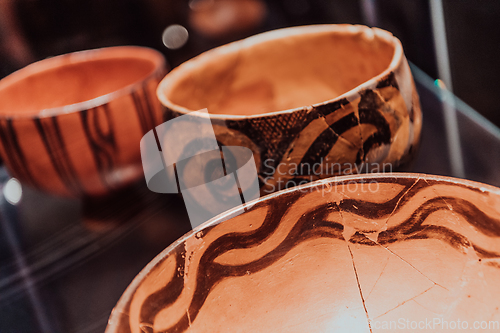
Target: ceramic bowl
x: 310, y: 101
x: 71, y: 124
x: 347, y: 254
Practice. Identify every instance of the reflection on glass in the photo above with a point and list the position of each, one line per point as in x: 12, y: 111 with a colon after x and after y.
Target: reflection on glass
x: 13, y: 191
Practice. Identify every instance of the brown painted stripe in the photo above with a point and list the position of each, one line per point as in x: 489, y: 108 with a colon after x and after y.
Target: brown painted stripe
x: 63, y: 151
x: 149, y: 107
x: 373, y: 210
x: 14, y: 152
x: 317, y: 151
x: 108, y: 138
x: 210, y: 273
x: 54, y: 144
x: 166, y: 296
x: 100, y: 143
x: 143, y: 118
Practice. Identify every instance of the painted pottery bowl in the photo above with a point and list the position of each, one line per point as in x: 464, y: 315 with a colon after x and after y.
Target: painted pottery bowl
x: 357, y: 253
x: 310, y: 102
x: 71, y: 125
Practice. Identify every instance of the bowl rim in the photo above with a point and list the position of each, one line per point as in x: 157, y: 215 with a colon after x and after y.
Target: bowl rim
x: 72, y: 58
x: 352, y: 29
x: 117, y: 312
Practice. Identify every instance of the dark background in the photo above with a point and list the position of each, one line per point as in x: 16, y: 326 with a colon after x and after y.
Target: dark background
x: 31, y: 30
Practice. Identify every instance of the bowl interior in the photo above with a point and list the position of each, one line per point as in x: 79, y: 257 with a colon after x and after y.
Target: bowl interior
x: 286, y: 71
x: 70, y: 79
x: 332, y: 256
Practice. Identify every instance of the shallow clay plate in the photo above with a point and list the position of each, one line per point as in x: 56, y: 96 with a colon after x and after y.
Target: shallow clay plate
x: 350, y: 254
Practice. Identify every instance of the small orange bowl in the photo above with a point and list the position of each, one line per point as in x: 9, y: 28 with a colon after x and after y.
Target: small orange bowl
x: 71, y: 125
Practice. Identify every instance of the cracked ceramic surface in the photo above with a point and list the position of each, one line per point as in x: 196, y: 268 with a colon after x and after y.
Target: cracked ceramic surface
x: 346, y: 254
x: 71, y: 124
x: 310, y: 102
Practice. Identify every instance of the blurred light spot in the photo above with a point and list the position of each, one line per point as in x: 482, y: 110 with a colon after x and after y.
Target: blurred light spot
x: 12, y: 191
x: 439, y: 83
x: 175, y: 36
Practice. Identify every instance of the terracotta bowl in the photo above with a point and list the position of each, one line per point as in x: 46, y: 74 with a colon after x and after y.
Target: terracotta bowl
x: 310, y: 101
x: 346, y: 254
x: 71, y: 124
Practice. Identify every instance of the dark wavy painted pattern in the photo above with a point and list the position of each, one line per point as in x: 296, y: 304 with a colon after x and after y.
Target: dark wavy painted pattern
x: 312, y: 225
x: 50, y: 133
x: 9, y: 136
x: 274, y: 135
x: 100, y: 135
